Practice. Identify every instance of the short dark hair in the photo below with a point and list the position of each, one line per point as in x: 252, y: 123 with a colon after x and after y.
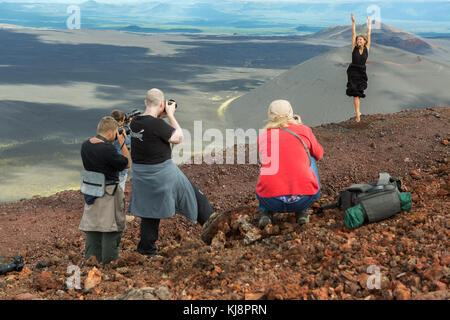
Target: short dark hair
x: 118, y: 115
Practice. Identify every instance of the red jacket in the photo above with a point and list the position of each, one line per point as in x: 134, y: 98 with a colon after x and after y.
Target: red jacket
x: 285, y: 165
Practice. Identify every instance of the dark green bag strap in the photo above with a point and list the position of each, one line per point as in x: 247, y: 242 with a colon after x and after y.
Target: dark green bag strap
x: 304, y: 144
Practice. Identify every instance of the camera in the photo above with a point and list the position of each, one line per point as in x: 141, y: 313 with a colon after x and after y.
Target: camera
x: 128, y: 117
x: 131, y: 114
x: 126, y: 129
x: 16, y: 265
x: 170, y: 101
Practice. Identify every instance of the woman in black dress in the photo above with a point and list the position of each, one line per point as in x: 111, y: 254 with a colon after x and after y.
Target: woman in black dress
x: 356, y: 71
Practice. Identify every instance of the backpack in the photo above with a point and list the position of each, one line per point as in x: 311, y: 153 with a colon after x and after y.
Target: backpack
x: 372, y: 202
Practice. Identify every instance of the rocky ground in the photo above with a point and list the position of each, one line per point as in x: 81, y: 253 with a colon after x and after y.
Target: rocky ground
x: 321, y: 260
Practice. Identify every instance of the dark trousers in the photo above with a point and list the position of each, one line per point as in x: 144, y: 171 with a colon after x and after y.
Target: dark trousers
x: 150, y: 227
x: 103, y: 245
x: 204, y: 206
x: 149, y: 235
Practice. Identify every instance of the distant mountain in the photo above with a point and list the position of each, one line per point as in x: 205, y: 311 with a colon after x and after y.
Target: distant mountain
x: 206, y: 11
x: 99, y: 8
x: 265, y: 17
x: 385, y: 35
x: 159, y: 30
x: 306, y: 28
x: 90, y: 3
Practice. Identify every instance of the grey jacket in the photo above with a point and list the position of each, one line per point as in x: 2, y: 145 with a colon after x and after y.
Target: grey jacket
x: 160, y: 190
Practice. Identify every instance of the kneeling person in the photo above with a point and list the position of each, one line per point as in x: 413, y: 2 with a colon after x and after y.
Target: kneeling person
x: 295, y: 185
x: 104, y: 218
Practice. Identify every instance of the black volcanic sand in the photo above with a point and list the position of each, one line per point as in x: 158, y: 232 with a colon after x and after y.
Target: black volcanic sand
x: 321, y: 260
x: 56, y: 85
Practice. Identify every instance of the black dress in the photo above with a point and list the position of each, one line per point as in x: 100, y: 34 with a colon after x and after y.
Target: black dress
x: 356, y: 74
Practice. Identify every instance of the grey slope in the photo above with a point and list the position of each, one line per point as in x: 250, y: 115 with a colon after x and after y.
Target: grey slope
x: 316, y: 88
x: 381, y: 34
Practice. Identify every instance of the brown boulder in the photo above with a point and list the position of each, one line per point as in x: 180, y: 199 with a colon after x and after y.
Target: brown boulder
x: 254, y: 296
x: 286, y: 291
x: 27, y: 296
x: 401, y: 292
x: 218, y: 242
x: 44, y: 281
x: 25, y: 273
x: 321, y: 293
x: 435, y: 295
x: 433, y: 273
x: 93, y: 279
x: 133, y: 258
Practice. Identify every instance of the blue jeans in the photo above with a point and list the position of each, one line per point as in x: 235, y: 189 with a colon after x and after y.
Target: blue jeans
x: 274, y: 204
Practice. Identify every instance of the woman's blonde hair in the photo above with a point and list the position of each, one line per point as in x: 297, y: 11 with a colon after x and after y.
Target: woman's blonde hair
x: 280, y: 114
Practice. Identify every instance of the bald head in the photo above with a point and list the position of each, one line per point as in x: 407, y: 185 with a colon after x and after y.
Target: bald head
x: 154, y: 98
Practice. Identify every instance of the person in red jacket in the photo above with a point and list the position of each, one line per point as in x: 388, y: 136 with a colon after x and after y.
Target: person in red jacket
x: 288, y: 180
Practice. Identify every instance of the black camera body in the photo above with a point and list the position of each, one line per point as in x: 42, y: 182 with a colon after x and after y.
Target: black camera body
x: 126, y: 129
x: 16, y: 265
x: 169, y: 102
x: 128, y: 117
x: 172, y: 101
x: 131, y: 114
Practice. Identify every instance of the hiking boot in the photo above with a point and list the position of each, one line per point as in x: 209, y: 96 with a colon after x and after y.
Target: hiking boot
x: 265, y: 219
x: 302, y: 217
x: 148, y: 253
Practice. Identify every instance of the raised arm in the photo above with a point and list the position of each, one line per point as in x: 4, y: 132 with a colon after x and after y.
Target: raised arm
x: 177, y: 136
x: 353, y: 32
x: 369, y: 28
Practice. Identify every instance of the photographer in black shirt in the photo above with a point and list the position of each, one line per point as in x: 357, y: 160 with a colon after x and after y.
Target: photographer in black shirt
x: 159, y: 188
x: 104, y: 218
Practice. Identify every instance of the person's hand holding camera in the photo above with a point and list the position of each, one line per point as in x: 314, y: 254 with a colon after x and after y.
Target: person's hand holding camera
x: 121, y: 139
x: 121, y: 136
x: 122, y: 131
x: 170, y: 109
x: 297, y: 118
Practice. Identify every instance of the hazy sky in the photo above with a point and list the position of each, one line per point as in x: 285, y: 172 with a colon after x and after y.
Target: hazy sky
x: 203, y: 1
x: 410, y: 15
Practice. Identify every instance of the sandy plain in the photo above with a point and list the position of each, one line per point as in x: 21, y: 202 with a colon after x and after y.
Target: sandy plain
x: 55, y: 85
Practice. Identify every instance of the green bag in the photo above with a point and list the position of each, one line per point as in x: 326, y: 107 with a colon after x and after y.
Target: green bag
x: 376, y: 202
x: 405, y: 200
x: 354, y: 217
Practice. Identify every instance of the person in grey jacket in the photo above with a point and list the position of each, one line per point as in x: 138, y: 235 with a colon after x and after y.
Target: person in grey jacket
x: 159, y: 188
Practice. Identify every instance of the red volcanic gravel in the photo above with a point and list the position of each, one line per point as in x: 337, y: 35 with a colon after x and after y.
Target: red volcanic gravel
x: 320, y: 260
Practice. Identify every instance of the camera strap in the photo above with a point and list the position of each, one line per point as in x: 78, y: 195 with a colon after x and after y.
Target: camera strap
x: 304, y: 144
x: 102, y: 138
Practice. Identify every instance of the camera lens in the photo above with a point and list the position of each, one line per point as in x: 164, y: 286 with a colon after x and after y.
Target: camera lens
x: 172, y: 101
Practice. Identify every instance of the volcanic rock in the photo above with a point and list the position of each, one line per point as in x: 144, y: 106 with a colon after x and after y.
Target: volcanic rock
x: 44, y: 281
x: 148, y: 293
x: 93, y: 279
